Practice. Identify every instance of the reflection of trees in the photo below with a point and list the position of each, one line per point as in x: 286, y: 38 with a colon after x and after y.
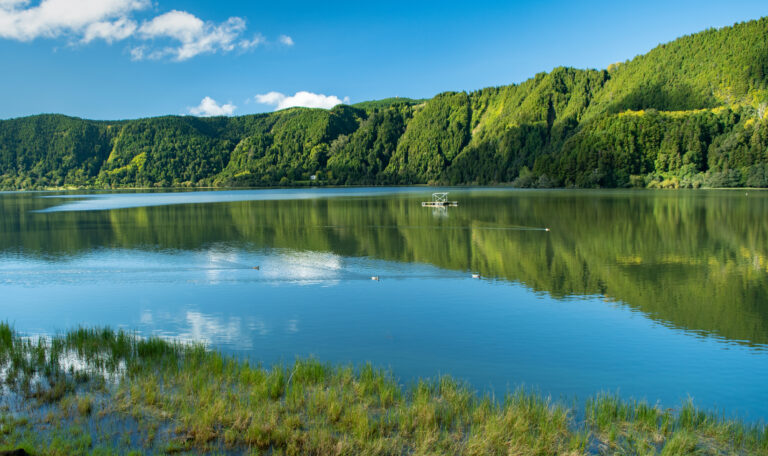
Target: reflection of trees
x: 698, y: 261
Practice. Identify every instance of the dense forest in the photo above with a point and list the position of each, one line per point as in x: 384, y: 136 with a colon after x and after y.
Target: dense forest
x: 688, y: 114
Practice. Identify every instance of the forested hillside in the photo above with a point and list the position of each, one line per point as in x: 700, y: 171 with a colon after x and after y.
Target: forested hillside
x: 689, y: 113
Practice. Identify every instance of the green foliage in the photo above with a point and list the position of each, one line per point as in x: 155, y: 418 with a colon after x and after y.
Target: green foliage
x: 163, y: 152
x: 288, y: 146
x: 52, y: 150
x: 437, y: 133
x: 190, y: 400
x: 689, y: 113
x: 375, y: 105
x: 361, y: 158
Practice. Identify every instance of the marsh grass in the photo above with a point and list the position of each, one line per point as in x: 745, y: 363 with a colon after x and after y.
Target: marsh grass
x: 635, y: 427
x: 97, y: 391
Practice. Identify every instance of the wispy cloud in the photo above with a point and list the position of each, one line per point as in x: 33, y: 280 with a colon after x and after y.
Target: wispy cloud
x: 303, y: 99
x: 208, y: 107
x: 109, y: 31
x: 191, y: 35
x: 255, y: 41
x: 53, y: 18
x: 177, y: 35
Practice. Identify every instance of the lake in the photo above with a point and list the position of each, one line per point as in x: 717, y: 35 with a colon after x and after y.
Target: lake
x: 657, y: 295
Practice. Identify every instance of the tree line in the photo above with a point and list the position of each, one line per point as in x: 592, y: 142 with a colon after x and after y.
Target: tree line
x: 690, y: 113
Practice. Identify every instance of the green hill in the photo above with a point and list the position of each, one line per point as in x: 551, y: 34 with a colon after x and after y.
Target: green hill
x: 689, y: 113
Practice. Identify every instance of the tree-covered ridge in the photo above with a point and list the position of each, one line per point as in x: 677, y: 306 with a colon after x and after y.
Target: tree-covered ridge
x: 688, y: 113
x: 712, y: 68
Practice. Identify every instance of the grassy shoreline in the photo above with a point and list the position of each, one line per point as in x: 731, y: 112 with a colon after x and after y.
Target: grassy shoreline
x: 99, y: 391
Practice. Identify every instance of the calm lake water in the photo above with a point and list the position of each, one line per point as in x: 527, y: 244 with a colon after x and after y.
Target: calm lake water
x: 657, y: 295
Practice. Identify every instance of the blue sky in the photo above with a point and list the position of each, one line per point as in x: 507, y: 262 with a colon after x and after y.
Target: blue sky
x: 117, y: 59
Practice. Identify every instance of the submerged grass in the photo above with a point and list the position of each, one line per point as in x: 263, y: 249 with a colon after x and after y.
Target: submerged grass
x: 98, y: 391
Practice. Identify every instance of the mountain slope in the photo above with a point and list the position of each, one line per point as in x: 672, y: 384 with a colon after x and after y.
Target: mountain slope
x: 688, y: 113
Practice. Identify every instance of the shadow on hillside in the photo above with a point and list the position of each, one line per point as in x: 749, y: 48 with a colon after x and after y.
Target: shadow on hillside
x: 664, y: 97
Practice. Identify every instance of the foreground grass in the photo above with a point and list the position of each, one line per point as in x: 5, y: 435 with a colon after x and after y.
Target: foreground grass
x: 96, y: 391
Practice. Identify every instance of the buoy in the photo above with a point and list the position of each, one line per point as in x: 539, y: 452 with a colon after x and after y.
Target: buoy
x: 256, y: 268
x: 376, y: 278
x: 475, y: 276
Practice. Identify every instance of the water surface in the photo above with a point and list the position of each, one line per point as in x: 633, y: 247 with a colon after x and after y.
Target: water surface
x: 658, y: 295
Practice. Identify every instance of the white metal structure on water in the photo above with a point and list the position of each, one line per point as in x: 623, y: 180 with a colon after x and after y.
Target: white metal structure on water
x: 439, y: 199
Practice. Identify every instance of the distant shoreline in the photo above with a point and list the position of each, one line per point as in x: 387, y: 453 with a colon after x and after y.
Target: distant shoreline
x: 426, y: 186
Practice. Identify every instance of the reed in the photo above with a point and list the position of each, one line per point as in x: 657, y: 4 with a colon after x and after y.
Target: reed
x: 99, y: 391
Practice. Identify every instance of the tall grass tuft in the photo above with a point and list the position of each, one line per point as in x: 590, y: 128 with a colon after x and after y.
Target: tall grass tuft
x: 183, y: 398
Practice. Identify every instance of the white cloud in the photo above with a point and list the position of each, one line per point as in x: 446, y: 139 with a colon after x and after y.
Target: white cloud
x: 303, y: 99
x: 193, y: 35
x: 208, y: 107
x: 248, y: 44
x: 137, y: 53
x: 175, y: 24
x: 53, y: 18
x: 271, y: 98
x: 109, y: 31
x: 177, y: 35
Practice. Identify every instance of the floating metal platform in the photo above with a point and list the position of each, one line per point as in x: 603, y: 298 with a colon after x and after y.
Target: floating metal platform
x: 439, y: 199
x: 439, y: 203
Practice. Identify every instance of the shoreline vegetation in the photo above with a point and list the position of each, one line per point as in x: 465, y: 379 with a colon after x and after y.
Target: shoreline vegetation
x: 690, y: 113
x: 323, y: 186
x: 100, y: 391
